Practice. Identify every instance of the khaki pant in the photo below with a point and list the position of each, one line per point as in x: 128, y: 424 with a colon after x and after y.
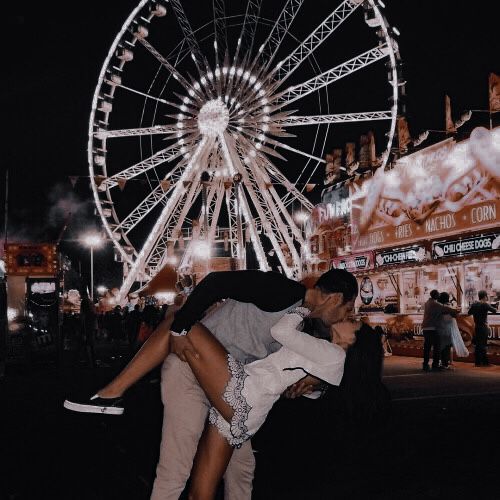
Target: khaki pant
x: 184, y: 415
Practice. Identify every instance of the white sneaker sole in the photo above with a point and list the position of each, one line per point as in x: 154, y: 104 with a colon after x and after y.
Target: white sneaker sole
x: 88, y: 408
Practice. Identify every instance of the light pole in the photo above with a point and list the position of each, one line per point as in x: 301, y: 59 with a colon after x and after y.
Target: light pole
x: 237, y: 178
x: 301, y: 218
x: 92, y: 241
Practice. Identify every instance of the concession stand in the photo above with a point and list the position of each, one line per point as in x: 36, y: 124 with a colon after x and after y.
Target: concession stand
x: 431, y: 222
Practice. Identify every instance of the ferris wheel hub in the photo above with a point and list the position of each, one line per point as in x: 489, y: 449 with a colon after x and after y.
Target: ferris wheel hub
x: 213, y: 118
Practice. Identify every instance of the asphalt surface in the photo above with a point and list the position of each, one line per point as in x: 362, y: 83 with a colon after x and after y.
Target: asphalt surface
x: 439, y: 441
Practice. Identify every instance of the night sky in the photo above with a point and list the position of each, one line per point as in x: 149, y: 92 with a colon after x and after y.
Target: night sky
x: 53, y: 53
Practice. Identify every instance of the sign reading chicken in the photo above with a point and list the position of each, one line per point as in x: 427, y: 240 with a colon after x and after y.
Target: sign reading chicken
x: 444, y: 189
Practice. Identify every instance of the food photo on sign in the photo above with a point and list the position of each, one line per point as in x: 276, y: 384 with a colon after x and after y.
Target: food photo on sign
x: 376, y: 293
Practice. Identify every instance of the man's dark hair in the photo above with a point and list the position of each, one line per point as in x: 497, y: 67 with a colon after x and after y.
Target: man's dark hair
x: 338, y: 281
x: 482, y: 294
x: 434, y: 294
x: 444, y: 298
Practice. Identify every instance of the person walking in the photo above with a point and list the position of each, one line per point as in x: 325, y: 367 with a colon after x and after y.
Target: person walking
x: 479, y: 311
x: 433, y: 312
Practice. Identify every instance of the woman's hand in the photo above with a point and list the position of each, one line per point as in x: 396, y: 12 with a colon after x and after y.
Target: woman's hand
x: 306, y: 385
x: 179, y: 346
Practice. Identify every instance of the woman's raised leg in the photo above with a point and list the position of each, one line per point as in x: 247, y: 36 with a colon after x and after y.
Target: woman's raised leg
x: 151, y: 354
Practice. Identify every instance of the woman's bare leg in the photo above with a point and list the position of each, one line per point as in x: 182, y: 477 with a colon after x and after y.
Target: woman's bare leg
x: 151, y: 354
x: 210, y: 463
x: 210, y: 367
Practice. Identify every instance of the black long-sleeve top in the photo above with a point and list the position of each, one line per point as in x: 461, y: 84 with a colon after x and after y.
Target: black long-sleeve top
x: 479, y: 311
x: 268, y: 291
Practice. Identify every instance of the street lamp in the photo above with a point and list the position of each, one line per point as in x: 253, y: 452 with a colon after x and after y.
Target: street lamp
x: 237, y: 178
x: 301, y: 218
x: 92, y: 241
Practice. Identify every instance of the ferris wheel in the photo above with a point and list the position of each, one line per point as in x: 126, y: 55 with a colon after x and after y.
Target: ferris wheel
x: 209, y: 119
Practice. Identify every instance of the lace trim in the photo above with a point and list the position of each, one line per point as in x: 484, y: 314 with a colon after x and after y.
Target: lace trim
x: 236, y: 431
x: 302, y: 311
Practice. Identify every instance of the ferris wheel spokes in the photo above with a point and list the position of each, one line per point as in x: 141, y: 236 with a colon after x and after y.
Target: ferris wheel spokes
x: 188, y: 33
x: 270, y: 47
x: 158, y: 228
x: 157, y: 195
x: 173, y: 225
x: 314, y: 40
x: 342, y: 70
x: 220, y: 28
x: 165, y: 155
x: 275, y: 231
x: 249, y: 29
x: 134, y: 132
x: 296, y: 121
x: 261, y: 167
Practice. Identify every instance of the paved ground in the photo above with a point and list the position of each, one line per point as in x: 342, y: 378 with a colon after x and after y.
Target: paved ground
x: 440, y: 441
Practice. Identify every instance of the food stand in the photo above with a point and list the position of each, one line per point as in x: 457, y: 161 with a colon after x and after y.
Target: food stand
x: 432, y: 222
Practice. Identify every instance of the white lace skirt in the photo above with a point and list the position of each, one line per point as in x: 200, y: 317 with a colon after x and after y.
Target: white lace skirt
x: 236, y: 432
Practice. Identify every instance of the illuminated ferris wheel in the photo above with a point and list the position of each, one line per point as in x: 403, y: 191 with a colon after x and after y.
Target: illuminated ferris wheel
x: 209, y: 119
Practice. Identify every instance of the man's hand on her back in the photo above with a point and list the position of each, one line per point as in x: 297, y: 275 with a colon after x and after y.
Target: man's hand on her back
x: 307, y: 385
x: 179, y: 346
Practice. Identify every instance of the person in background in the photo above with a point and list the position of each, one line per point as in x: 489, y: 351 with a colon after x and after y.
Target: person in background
x: 433, y: 311
x: 132, y: 326
x: 447, y: 323
x: 479, y: 311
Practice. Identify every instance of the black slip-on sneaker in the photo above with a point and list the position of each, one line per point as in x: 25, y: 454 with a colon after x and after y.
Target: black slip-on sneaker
x: 96, y: 404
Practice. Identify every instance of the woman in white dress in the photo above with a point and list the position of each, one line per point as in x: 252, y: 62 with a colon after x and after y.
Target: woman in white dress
x: 242, y: 395
x: 449, y: 335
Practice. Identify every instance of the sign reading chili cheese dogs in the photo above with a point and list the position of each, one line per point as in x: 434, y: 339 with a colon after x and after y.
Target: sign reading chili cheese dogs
x: 465, y: 246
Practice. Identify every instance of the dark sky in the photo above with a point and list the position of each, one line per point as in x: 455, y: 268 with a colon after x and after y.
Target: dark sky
x: 52, y: 56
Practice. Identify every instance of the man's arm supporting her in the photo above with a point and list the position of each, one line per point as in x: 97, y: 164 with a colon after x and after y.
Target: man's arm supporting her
x: 269, y: 291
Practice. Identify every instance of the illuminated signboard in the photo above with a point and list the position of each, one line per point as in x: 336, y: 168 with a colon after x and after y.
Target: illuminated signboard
x: 443, y: 190
x: 31, y: 260
x: 353, y: 263
x: 465, y: 246
x: 400, y: 256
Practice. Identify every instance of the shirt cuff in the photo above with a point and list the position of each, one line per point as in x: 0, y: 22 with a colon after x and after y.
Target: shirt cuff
x: 183, y: 333
x: 301, y: 311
